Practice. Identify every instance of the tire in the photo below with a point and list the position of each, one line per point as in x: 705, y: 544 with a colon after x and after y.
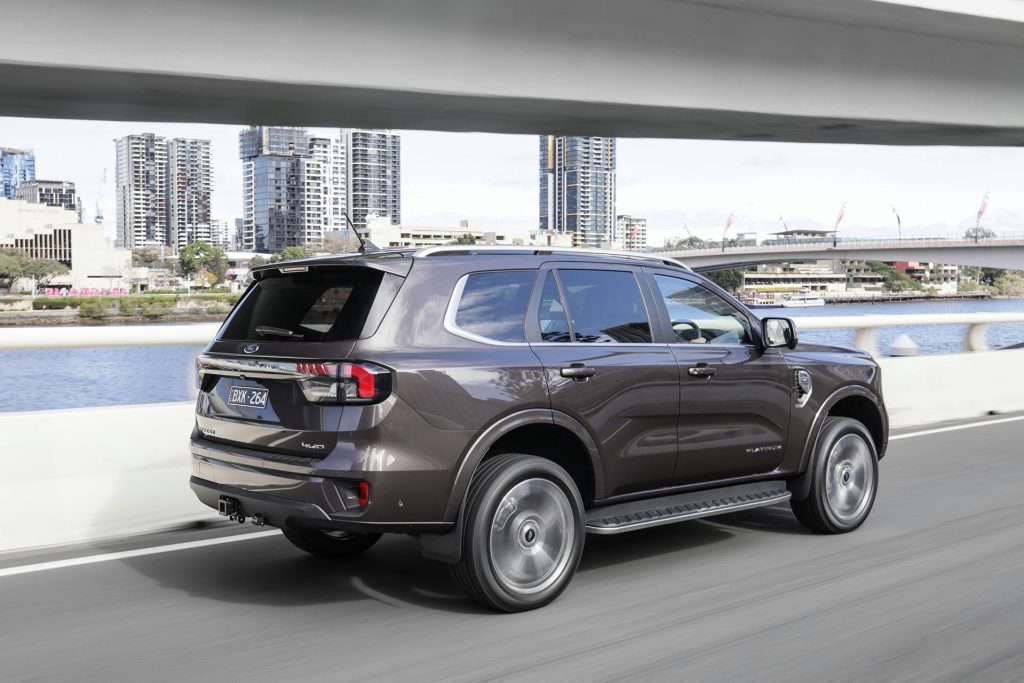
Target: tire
x: 330, y: 544
x: 844, y: 478
x: 524, y: 533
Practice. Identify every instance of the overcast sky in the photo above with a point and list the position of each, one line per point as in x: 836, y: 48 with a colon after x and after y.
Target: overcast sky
x: 493, y: 179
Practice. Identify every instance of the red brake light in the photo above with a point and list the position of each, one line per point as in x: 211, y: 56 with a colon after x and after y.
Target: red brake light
x: 364, y: 494
x: 365, y: 384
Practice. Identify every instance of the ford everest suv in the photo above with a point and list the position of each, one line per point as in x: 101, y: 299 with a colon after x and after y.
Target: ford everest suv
x: 502, y: 403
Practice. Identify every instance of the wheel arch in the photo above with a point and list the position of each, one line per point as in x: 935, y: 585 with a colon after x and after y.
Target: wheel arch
x: 518, y: 433
x: 857, y: 402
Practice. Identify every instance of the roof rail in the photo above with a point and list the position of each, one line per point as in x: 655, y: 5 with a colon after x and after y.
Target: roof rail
x: 537, y: 250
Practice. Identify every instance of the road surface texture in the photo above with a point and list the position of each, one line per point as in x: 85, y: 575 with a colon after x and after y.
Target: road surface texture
x: 931, y: 588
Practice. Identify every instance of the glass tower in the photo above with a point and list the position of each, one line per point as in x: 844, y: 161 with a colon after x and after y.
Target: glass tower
x: 292, y: 184
x: 17, y: 166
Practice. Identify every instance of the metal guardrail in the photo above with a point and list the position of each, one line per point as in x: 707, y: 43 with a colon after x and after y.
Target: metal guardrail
x: 867, y: 326
x: 200, y: 334
x: 75, y: 337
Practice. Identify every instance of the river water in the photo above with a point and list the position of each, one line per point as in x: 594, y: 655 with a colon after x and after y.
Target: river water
x: 72, y: 378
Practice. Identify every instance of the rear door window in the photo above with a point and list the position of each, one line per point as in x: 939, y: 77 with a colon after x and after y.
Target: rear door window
x: 493, y: 305
x: 605, y: 306
x: 320, y: 305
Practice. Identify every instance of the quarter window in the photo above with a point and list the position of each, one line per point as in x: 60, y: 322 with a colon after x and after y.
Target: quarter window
x: 699, y: 316
x: 605, y: 306
x: 554, y: 326
x: 493, y: 305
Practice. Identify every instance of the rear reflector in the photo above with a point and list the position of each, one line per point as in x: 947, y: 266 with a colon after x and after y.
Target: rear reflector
x: 364, y: 494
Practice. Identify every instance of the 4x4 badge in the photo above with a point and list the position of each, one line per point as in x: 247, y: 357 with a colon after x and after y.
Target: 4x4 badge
x: 252, y: 348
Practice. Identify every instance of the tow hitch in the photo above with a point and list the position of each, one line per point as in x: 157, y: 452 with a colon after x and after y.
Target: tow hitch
x: 231, y: 508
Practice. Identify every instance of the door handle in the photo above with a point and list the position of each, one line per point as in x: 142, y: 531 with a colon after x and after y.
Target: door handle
x: 578, y: 372
x: 702, y: 371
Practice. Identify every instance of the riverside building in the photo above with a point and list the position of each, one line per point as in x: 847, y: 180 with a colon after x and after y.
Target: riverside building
x: 58, y: 193
x: 48, y: 232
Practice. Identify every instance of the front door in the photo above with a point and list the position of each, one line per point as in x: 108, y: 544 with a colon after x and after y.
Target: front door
x: 591, y: 329
x: 735, y: 397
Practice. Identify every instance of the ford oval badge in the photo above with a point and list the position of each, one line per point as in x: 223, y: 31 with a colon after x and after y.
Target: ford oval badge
x: 252, y: 348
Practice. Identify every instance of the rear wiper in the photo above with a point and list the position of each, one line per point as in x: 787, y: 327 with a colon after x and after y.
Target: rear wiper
x: 269, y: 331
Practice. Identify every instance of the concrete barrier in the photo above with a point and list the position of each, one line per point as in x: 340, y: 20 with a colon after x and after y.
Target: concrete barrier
x: 926, y: 389
x: 90, y: 473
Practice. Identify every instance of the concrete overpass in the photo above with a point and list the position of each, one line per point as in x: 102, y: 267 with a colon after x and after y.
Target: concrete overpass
x: 995, y: 253
x: 863, y: 71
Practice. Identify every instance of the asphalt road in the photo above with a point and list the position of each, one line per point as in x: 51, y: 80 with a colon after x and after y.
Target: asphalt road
x: 931, y: 588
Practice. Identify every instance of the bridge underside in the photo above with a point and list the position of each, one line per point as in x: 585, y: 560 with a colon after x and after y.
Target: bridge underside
x: 863, y: 71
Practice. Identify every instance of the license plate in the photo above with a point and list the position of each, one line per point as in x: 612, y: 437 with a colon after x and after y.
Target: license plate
x: 250, y: 397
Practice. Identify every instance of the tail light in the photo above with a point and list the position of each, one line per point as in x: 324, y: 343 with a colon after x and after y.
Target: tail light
x: 344, y: 382
x: 338, y: 382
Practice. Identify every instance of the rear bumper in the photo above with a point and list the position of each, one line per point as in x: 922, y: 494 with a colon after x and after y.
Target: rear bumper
x: 292, y: 493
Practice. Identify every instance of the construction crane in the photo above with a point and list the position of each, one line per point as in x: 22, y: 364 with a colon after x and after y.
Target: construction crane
x: 98, y: 217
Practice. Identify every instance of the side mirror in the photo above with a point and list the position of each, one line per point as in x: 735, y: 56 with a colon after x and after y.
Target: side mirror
x: 778, y: 332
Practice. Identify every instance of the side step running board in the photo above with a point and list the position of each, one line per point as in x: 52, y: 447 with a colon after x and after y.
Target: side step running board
x: 640, y: 514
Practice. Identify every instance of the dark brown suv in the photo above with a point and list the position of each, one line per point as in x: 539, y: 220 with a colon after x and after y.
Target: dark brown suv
x: 500, y: 403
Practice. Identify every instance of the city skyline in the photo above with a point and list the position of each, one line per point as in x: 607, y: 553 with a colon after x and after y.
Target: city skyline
x: 493, y: 179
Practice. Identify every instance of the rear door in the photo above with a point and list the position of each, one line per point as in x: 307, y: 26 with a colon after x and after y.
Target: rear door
x: 278, y: 376
x: 734, y: 396
x: 591, y: 328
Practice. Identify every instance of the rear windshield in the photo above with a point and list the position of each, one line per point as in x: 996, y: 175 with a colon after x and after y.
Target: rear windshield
x: 321, y: 305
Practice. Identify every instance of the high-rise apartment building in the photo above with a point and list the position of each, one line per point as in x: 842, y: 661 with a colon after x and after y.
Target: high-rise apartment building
x: 17, y: 166
x: 222, y: 234
x: 59, y: 193
x: 333, y: 157
x: 141, y: 191
x: 189, y: 186
x: 577, y: 187
x: 630, y: 233
x: 163, y: 191
x: 375, y: 175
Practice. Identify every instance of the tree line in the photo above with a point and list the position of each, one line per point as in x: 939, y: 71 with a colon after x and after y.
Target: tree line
x: 15, y: 265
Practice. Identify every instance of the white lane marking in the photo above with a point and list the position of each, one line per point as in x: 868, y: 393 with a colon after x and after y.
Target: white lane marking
x: 956, y: 427
x: 93, y: 559
x: 155, y: 550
